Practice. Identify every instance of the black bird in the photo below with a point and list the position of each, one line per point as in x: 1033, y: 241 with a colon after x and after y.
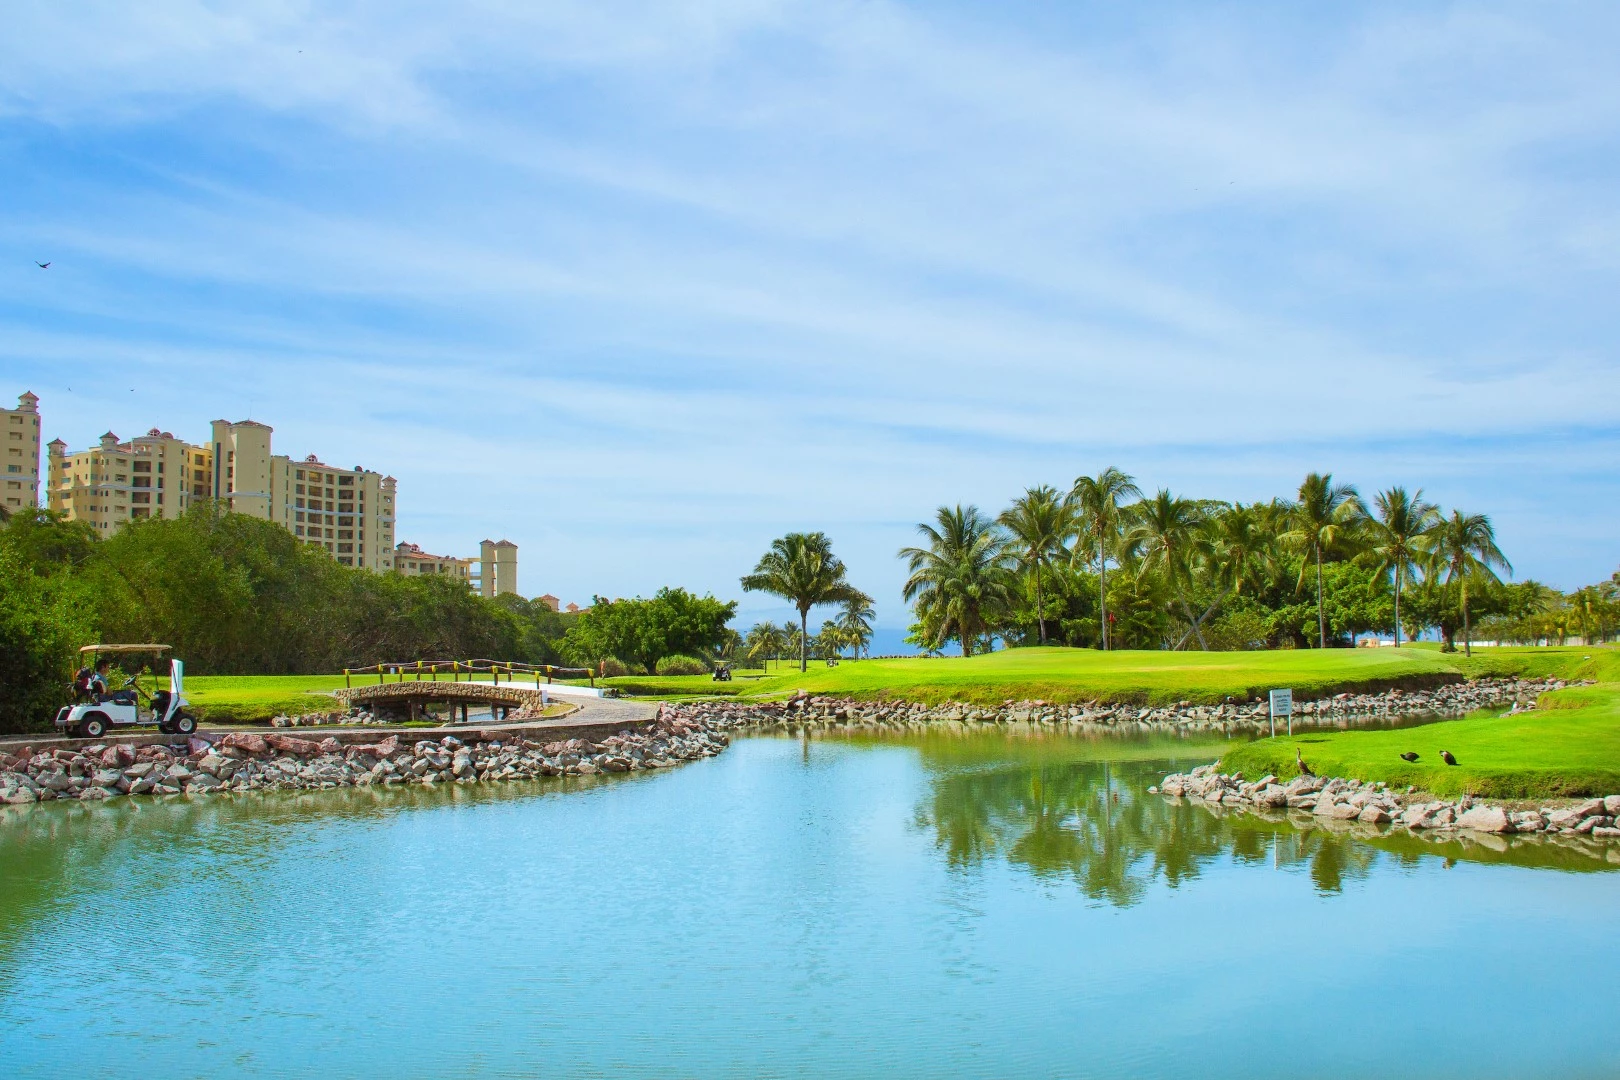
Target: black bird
x: 1445, y: 756
x: 1409, y: 756
x: 1304, y: 769
x: 42, y: 266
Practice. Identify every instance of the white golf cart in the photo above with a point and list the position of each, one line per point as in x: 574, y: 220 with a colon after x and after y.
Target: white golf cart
x: 99, y: 710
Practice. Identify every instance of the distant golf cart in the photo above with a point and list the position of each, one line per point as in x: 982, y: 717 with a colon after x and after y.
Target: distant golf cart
x: 722, y: 672
x: 97, y: 710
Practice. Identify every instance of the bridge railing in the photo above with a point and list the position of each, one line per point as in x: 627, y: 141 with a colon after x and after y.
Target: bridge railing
x: 456, y: 669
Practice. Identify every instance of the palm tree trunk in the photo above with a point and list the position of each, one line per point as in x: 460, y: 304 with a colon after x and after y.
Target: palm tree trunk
x: 1321, y: 618
x: 1399, y: 569
x: 1040, y: 608
x: 1102, y: 588
x: 1468, y: 633
x: 1188, y: 612
x: 804, y: 641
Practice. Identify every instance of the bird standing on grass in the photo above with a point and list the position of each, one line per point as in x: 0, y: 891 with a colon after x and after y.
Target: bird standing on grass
x: 1304, y: 769
x: 1445, y: 756
x: 1409, y: 756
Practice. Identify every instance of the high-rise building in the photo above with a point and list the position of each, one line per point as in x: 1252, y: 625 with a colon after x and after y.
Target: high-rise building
x: 19, y: 470
x: 347, y: 512
x: 497, y: 567
x: 153, y: 475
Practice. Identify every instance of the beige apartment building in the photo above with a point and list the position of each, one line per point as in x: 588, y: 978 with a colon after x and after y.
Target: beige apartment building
x: 497, y: 568
x: 348, y: 512
x: 412, y: 561
x: 19, y: 470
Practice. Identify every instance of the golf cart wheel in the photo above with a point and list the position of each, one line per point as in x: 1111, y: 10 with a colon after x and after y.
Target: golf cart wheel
x: 95, y: 725
x: 165, y: 727
x: 183, y: 724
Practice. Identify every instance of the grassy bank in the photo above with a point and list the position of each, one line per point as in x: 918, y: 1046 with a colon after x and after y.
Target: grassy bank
x: 1568, y: 746
x: 1070, y: 675
x: 259, y: 697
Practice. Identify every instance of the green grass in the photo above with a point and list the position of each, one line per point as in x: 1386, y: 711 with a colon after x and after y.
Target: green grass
x: 259, y: 697
x: 1568, y: 746
x: 1147, y: 677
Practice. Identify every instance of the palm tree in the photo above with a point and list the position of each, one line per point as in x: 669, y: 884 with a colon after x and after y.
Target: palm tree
x: 765, y: 640
x: 1164, y: 531
x: 1325, y: 517
x: 856, y: 623
x: 801, y: 568
x: 1040, y: 522
x: 1096, y: 502
x: 1240, y: 550
x: 1464, y: 549
x: 963, y: 580
x: 1399, y: 535
x: 831, y: 640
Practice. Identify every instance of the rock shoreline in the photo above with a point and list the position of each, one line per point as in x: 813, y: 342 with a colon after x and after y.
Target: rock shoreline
x: 1229, y: 718
x: 247, y: 761
x: 1372, y: 803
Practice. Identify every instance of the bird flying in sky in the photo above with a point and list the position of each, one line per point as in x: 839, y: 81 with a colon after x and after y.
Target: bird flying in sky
x: 42, y: 265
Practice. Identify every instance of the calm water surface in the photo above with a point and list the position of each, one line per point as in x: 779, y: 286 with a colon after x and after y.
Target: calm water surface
x: 924, y: 909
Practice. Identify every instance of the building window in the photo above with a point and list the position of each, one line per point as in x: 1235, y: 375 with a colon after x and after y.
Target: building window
x: 349, y: 548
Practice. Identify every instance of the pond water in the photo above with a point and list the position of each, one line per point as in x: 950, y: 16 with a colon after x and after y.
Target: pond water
x: 932, y: 908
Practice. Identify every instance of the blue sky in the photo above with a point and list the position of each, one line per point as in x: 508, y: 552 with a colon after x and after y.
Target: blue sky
x: 642, y: 286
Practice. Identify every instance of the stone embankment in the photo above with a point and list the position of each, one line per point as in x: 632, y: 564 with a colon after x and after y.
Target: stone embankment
x: 1372, y: 803
x: 244, y: 761
x: 1228, y: 718
x: 351, y: 715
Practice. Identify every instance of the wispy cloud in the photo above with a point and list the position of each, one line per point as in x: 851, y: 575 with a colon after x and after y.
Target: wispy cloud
x: 641, y: 285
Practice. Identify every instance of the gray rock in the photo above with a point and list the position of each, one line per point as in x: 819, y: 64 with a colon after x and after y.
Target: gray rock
x: 1611, y: 805
x: 1486, y: 819
x: 1589, y: 808
x: 1373, y: 815
x: 203, y: 781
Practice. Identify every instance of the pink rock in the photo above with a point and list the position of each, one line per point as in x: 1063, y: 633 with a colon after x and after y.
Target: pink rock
x: 289, y: 745
x: 329, y: 745
x: 246, y: 741
x: 195, y: 745
x: 109, y: 757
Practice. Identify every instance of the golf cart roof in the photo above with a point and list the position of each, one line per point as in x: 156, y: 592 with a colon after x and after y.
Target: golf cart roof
x: 123, y: 648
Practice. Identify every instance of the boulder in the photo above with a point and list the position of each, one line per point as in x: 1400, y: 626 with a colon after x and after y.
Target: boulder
x: 1373, y: 815
x: 1611, y: 805
x: 1344, y: 812
x: 1486, y: 819
x: 289, y: 745
x: 330, y: 745
x: 246, y: 741
x: 203, y: 782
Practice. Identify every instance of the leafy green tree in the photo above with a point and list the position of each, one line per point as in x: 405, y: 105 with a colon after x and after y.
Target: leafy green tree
x: 644, y: 631
x: 1239, y: 550
x: 1040, y: 522
x: 802, y: 569
x: 1464, y: 551
x: 1164, y: 532
x: 43, y: 621
x: 1398, y: 536
x: 1096, y: 501
x: 1325, y: 519
x: 962, y: 582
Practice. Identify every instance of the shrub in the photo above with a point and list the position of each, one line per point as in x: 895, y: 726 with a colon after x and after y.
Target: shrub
x: 611, y: 667
x: 682, y: 665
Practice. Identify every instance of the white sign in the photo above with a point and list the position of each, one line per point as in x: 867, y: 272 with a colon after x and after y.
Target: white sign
x: 1282, y: 704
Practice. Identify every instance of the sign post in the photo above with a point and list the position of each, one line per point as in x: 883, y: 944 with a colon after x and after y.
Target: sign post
x: 1282, y: 704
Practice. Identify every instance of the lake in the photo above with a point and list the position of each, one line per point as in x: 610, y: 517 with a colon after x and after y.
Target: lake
x: 934, y: 907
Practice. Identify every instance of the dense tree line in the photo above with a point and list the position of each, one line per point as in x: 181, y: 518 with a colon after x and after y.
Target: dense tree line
x: 237, y: 595
x: 1104, y: 565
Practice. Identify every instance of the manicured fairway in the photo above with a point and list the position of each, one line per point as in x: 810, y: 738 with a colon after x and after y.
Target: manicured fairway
x: 259, y: 697
x: 1570, y: 745
x: 1152, y: 677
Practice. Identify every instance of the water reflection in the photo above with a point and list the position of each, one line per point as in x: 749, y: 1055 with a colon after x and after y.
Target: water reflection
x: 1094, y: 824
